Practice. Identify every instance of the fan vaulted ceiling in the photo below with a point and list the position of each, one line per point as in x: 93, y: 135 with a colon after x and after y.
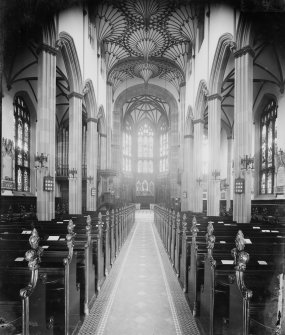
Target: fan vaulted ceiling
x: 146, y: 39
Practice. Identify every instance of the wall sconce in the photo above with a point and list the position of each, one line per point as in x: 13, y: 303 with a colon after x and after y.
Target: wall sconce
x: 72, y: 173
x: 90, y: 179
x: 247, y: 162
x: 199, y: 180
x: 41, y: 161
x: 215, y: 174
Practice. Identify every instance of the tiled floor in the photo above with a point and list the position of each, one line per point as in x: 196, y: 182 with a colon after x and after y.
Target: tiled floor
x: 142, y: 295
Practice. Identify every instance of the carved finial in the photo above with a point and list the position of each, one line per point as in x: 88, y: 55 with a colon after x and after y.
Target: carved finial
x: 184, y: 223
x: 240, y: 242
x: 33, y: 256
x: 70, y: 227
x: 241, y: 257
x: 70, y: 237
x: 210, y: 238
x: 194, y: 229
x: 88, y: 225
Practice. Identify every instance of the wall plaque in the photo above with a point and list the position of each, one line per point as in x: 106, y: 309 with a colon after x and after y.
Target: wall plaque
x: 239, y: 185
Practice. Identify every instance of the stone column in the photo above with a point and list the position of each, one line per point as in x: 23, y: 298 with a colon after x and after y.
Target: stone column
x: 91, y: 152
x: 109, y: 124
x: 229, y: 173
x: 103, y: 151
x: 190, y: 182
x: 243, y: 129
x: 187, y: 180
x: 46, y: 122
x: 197, y: 165
x: 214, y: 140
x: 75, y: 153
x: 182, y: 157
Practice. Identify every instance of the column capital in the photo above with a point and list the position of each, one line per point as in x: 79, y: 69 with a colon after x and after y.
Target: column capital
x: 103, y: 135
x: 182, y: 84
x: 243, y: 51
x: 214, y: 96
x: 75, y: 95
x: 109, y: 83
x: 196, y: 121
x: 92, y: 119
x: 47, y: 48
x: 230, y: 137
x: 188, y: 136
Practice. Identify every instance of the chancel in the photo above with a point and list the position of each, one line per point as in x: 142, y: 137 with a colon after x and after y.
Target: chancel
x: 142, y: 167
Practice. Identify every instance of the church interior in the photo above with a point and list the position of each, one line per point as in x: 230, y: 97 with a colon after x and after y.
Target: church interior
x: 142, y: 167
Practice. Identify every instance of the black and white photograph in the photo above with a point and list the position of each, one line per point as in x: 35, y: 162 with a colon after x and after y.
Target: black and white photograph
x: 142, y: 167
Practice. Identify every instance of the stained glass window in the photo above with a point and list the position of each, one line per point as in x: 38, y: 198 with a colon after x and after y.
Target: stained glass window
x: 268, y: 137
x: 22, y: 136
x: 145, y: 149
x: 127, y: 151
x: 163, y: 148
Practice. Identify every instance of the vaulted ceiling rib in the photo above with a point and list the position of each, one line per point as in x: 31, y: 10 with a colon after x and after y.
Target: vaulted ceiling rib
x: 146, y: 32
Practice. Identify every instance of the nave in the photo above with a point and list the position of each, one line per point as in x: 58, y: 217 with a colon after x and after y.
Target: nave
x: 142, y: 294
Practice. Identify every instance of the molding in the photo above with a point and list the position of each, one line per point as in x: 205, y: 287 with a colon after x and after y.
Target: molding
x: 243, y: 51
x: 214, y: 96
x: 92, y: 119
x: 188, y: 136
x: 198, y: 121
x: 75, y: 95
x: 47, y: 48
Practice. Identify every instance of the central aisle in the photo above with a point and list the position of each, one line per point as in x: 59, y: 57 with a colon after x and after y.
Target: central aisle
x: 142, y: 295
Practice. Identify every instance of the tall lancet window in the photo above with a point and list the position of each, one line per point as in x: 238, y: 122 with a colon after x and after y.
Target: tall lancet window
x: 127, y: 150
x: 22, y: 139
x: 145, y: 149
x: 163, y: 148
x: 268, y: 145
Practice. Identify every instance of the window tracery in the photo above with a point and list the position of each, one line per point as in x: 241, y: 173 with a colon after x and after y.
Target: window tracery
x: 268, y: 139
x: 22, y: 139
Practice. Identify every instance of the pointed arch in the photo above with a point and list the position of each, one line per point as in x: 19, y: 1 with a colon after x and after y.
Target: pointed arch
x: 244, y: 34
x: 102, y: 120
x: 71, y: 62
x: 201, y: 100
x: 221, y: 58
x: 189, y: 121
x: 90, y: 99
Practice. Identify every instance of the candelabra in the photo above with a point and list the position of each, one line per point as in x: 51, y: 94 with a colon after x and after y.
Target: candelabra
x: 90, y: 179
x: 215, y: 174
x: 41, y: 161
x: 72, y: 173
x: 247, y: 162
x: 199, y: 180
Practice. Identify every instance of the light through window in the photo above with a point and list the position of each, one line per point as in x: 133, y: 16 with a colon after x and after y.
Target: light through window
x: 145, y: 149
x: 127, y: 152
x: 22, y: 153
x: 268, y: 146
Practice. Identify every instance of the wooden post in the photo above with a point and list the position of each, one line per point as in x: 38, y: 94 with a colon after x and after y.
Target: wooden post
x: 192, y: 276
x: 178, y: 245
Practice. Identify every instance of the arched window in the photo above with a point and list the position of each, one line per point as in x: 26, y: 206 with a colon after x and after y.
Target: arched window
x: 145, y: 149
x: 163, y: 148
x: 22, y: 139
x: 268, y: 139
